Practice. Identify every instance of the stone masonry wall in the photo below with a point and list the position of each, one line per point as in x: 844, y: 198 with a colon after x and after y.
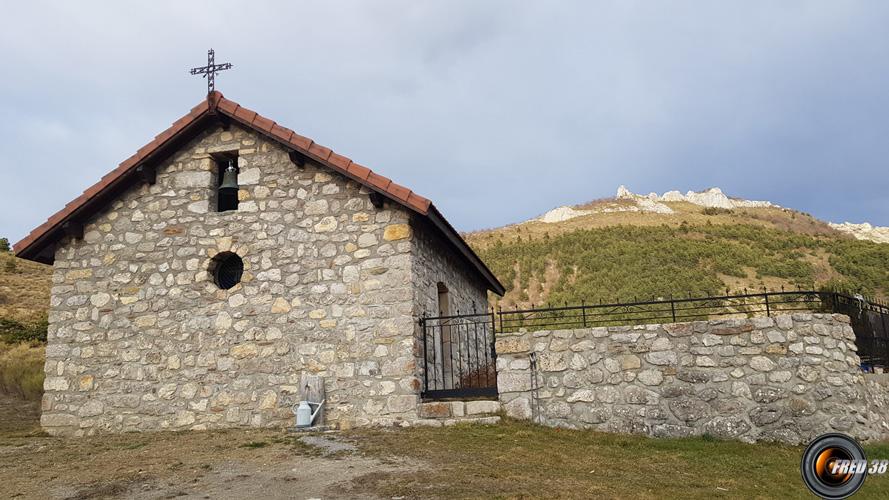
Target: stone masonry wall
x: 434, y: 262
x: 141, y: 338
x: 788, y: 378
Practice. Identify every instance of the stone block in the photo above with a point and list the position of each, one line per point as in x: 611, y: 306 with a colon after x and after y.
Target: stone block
x: 629, y: 362
x: 762, y: 364
x: 192, y: 179
x: 58, y: 420
x: 394, y: 232
x: 401, y: 404
x: 651, y: 377
x: 511, y: 345
x: 482, y: 407
x: 55, y: 384
x: 784, y: 322
x: 458, y: 408
x: 91, y: 408
x: 552, y: 362
x: 519, y: 408
x: 727, y: 427
x: 242, y: 351
x: 513, y: 382
x: 662, y: 358
x: 434, y: 410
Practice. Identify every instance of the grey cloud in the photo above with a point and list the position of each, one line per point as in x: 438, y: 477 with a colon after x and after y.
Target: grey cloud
x: 497, y: 111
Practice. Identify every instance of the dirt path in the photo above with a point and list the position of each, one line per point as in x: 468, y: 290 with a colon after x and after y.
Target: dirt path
x: 18, y: 416
x: 296, y: 477
x: 221, y: 464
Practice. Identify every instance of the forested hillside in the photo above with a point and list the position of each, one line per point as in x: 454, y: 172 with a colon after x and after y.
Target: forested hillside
x: 626, y: 256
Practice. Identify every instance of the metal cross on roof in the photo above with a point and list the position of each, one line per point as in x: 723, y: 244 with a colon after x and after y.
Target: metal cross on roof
x: 209, y: 71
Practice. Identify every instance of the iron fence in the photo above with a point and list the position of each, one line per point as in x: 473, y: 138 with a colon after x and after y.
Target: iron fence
x: 459, y: 356
x: 672, y: 310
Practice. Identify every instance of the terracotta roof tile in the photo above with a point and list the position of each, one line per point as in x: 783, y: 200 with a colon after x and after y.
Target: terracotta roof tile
x: 148, y: 148
x: 166, y: 134
x: 379, y: 181
x: 263, y: 123
x: 422, y: 204
x: 129, y: 162
x: 227, y: 106
x: 359, y: 171
x: 399, y: 191
x: 319, y: 151
x: 301, y: 142
x: 339, y: 160
x: 93, y: 190
x: 282, y: 133
x: 245, y: 115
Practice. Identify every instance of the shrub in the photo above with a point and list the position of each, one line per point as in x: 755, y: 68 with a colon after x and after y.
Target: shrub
x: 12, y: 331
x: 621, y: 263
x: 716, y: 211
x: 4, y: 245
x: 21, y: 370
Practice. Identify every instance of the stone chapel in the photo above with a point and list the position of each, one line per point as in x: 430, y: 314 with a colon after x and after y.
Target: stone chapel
x: 196, y: 283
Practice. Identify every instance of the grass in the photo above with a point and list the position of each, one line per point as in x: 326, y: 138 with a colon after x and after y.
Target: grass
x: 509, y: 460
x: 24, y: 299
x: 21, y: 370
x: 519, y: 460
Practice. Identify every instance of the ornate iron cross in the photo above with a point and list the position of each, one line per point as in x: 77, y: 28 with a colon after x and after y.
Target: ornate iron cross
x: 209, y: 71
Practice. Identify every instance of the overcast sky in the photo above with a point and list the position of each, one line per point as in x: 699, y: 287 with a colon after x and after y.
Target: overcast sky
x: 497, y: 111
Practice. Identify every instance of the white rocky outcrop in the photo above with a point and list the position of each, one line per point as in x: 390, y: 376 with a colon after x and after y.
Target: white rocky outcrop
x: 863, y: 231
x: 713, y: 197
x: 561, y: 214
x: 650, y: 203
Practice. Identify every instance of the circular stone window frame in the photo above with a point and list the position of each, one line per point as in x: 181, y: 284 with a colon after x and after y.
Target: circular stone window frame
x: 227, y: 270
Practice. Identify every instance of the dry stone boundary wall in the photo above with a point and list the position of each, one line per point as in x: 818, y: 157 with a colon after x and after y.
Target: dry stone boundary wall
x: 787, y: 378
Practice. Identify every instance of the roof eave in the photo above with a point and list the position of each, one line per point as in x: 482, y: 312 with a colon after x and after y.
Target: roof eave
x: 32, y: 246
x: 454, y: 237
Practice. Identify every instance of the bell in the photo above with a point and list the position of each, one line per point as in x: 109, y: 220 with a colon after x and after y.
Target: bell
x: 229, y: 180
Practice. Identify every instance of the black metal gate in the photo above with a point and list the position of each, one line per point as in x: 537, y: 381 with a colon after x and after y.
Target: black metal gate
x: 458, y: 356
x: 870, y: 322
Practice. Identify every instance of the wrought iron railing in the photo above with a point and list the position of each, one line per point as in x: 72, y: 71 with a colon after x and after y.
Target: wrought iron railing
x: 458, y: 351
x: 671, y: 310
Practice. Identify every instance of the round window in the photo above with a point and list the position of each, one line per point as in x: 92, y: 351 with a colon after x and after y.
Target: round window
x: 227, y: 269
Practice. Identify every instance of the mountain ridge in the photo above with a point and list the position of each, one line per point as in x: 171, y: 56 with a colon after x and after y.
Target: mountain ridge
x: 711, y: 198
x: 653, y: 245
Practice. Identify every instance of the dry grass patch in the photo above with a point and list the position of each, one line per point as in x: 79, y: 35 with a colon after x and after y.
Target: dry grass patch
x: 24, y: 289
x: 517, y: 460
x: 21, y: 370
